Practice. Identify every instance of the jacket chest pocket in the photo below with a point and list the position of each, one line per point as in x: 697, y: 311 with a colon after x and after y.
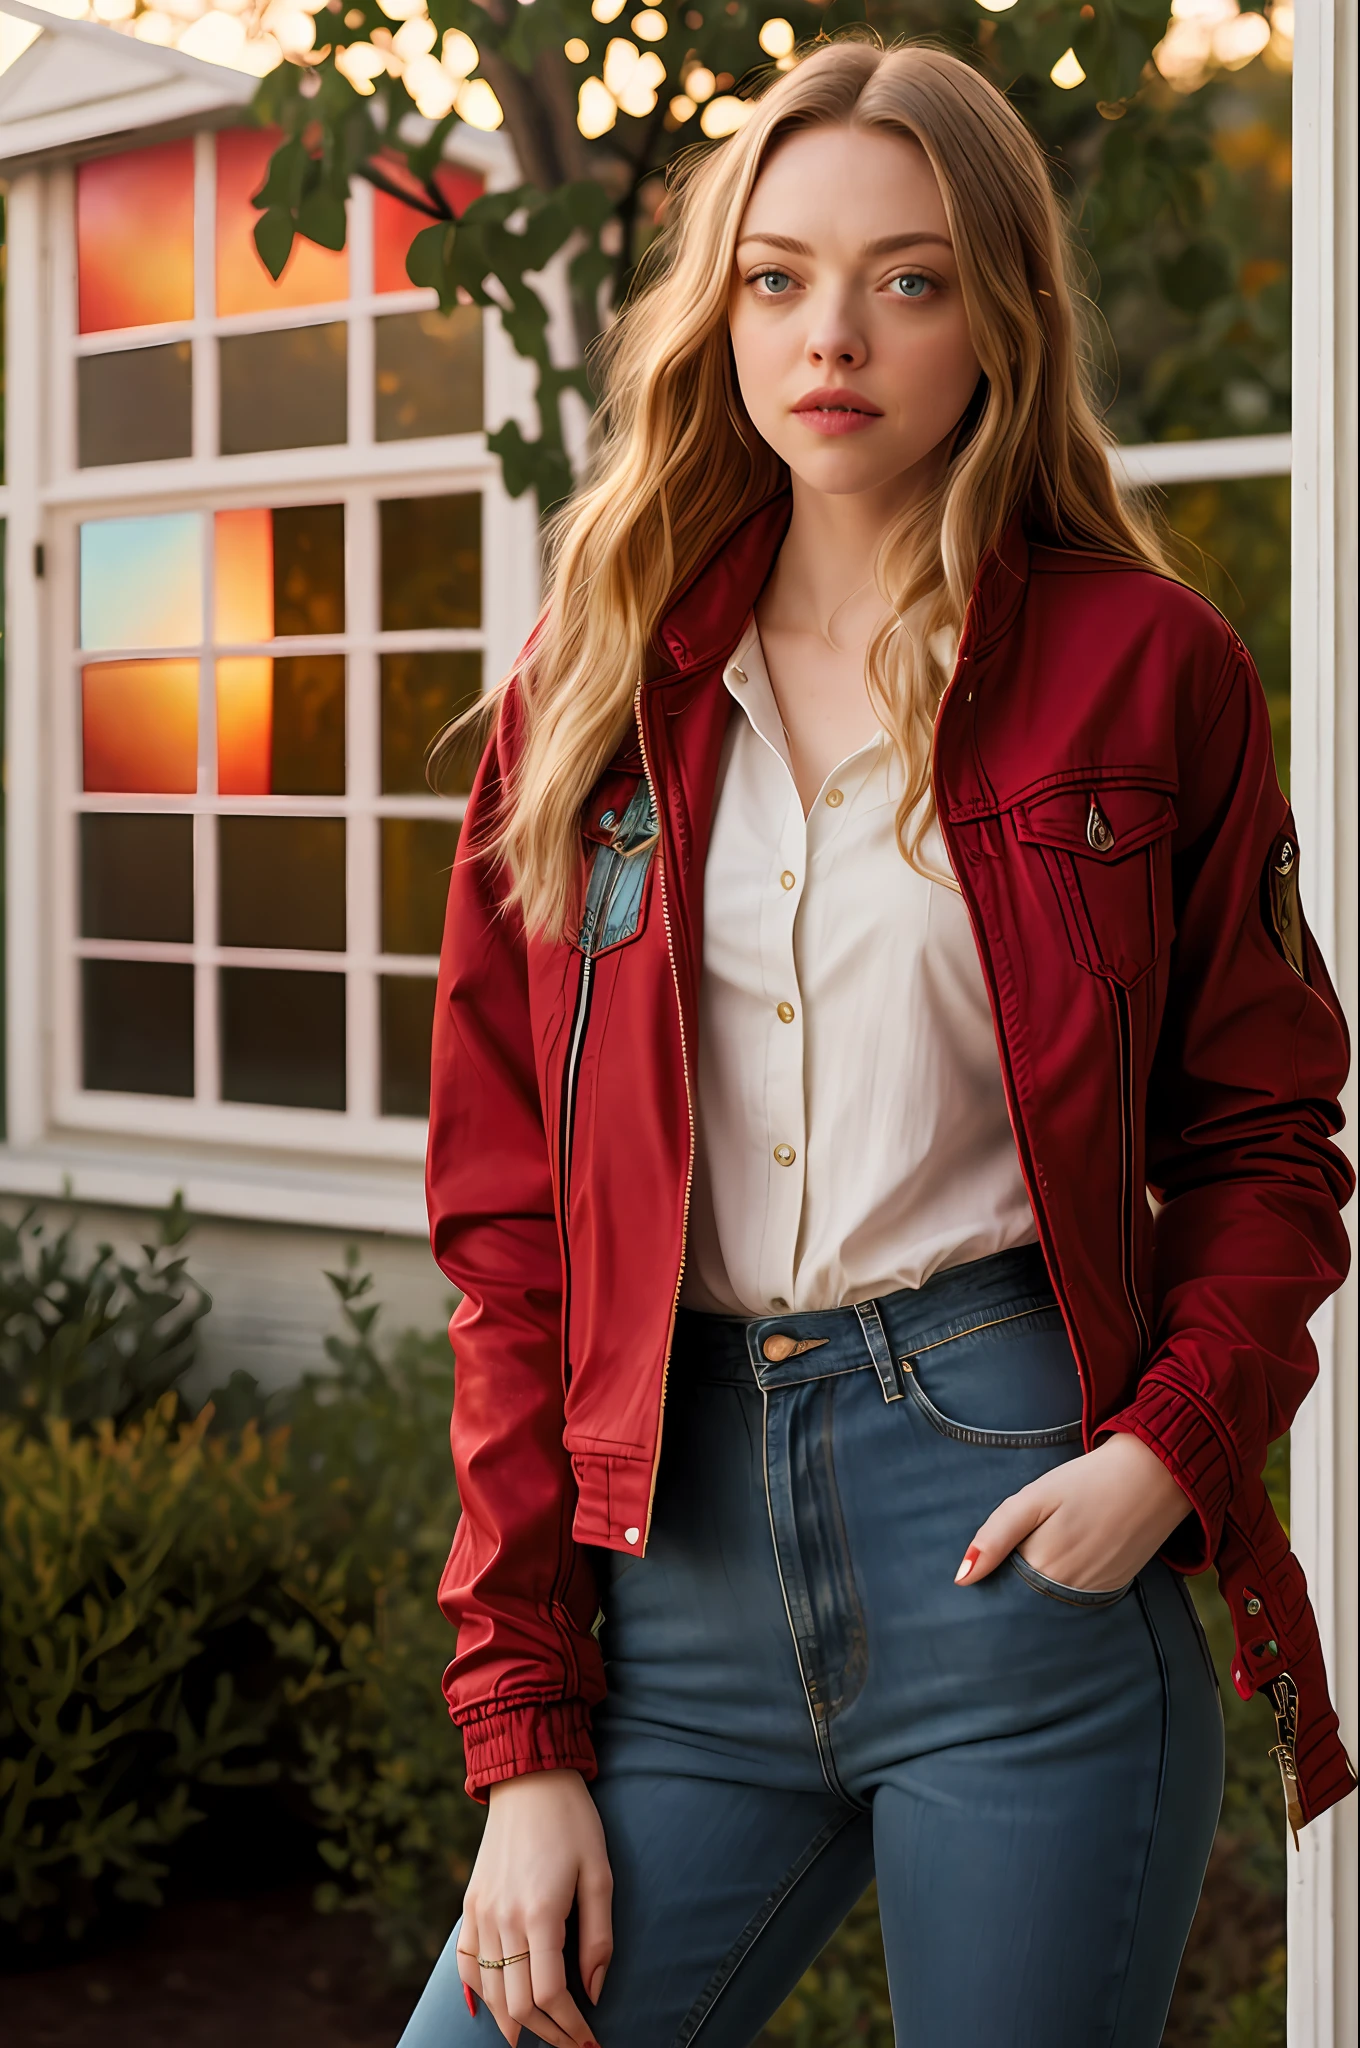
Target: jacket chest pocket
x: 1108, y: 855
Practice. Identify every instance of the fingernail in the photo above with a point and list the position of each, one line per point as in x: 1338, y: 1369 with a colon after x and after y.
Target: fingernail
x: 970, y: 1558
x: 471, y: 1997
x: 597, y: 1984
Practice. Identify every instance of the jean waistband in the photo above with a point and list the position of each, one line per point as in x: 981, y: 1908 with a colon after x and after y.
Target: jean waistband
x: 799, y: 1345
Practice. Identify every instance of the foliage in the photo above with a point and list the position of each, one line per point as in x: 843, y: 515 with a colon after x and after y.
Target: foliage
x: 88, y: 1339
x: 1167, y: 188
x: 127, y: 1555
x: 363, y: 1650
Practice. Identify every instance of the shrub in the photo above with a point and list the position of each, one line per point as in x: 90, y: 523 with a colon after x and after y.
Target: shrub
x: 123, y: 1555
x: 102, y: 1337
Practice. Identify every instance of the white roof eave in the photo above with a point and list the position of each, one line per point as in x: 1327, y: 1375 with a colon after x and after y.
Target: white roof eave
x: 80, y: 85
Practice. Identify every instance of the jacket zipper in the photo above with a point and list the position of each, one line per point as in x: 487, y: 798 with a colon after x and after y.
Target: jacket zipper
x: 689, y: 1110
x: 1128, y: 1192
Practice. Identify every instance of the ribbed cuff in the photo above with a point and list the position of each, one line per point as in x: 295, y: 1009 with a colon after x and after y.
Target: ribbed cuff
x: 510, y: 1743
x: 1173, y: 1425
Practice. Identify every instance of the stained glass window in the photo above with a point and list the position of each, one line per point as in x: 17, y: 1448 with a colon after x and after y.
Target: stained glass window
x: 256, y: 684
x: 139, y: 724
x: 395, y: 225
x: 141, y: 581
x: 312, y: 276
x: 135, y: 237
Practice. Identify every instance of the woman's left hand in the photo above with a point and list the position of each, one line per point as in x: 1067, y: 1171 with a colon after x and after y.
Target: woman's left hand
x: 1092, y: 1523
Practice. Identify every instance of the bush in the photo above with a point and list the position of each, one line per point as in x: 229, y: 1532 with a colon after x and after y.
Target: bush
x: 123, y: 1555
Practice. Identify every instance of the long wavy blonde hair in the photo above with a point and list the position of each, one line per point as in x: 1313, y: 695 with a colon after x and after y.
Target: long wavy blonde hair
x: 678, y: 462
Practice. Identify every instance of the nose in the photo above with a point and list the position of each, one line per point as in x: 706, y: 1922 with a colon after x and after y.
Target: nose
x: 835, y: 340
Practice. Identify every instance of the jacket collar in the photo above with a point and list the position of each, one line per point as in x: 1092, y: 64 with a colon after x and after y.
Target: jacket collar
x: 706, y: 617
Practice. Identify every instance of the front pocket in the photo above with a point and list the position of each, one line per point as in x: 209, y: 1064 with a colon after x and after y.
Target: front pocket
x: 1108, y: 856
x: 1054, y: 1589
x: 997, y: 1439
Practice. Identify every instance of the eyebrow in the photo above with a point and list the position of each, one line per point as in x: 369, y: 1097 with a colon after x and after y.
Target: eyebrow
x: 884, y: 246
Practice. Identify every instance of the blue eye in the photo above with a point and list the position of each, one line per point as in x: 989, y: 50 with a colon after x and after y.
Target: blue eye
x: 774, y: 280
x: 913, y: 287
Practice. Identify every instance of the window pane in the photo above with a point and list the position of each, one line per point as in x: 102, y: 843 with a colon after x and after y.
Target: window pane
x: 417, y: 854
x: 140, y: 727
x: 281, y: 882
x: 141, y: 581
x: 136, y: 877
x: 279, y: 572
x: 429, y: 374
x: 420, y: 694
x: 312, y: 276
x: 138, y: 1026
x: 281, y: 725
x: 129, y: 276
x: 282, y: 390
x: 283, y: 1037
x: 431, y: 562
x: 134, y: 406
x: 1234, y: 546
x: 406, y: 1003
x: 395, y: 226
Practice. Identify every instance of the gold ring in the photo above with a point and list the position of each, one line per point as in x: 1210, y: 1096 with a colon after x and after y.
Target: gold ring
x: 502, y: 1962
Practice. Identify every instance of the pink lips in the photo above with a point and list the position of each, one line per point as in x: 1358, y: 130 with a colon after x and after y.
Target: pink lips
x: 833, y: 410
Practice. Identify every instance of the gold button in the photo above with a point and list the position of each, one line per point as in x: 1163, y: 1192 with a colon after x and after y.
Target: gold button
x: 787, y: 879
x: 738, y: 674
x: 779, y: 1302
x: 785, y: 1155
x: 834, y: 797
x: 785, y: 1013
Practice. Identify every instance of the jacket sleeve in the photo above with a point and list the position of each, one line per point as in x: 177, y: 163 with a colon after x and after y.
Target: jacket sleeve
x: 1242, y: 1108
x: 519, y: 1591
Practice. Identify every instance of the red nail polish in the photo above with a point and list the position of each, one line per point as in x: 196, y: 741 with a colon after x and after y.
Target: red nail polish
x: 970, y: 1558
x: 471, y: 1998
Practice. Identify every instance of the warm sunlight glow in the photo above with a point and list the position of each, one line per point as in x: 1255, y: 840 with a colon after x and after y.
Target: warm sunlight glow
x: 724, y: 116
x: 777, y: 37
x: 1067, y: 72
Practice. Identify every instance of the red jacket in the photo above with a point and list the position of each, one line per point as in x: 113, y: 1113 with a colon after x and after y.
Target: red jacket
x: 1107, y: 793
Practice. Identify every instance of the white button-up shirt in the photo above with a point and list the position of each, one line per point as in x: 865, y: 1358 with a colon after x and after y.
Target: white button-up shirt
x: 852, y: 1132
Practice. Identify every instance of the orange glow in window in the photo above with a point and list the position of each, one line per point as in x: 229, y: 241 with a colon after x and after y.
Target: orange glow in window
x: 245, y: 725
x: 244, y: 582
x: 395, y: 226
x: 135, y: 237
x: 312, y: 276
x: 141, y: 726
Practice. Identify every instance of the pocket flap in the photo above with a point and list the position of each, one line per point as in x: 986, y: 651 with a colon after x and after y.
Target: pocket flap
x: 1105, y: 822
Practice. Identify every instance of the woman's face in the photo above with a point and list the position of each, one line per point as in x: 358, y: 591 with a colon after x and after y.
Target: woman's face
x: 848, y: 327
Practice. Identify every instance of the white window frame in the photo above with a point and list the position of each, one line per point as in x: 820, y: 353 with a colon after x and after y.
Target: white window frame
x: 243, y: 1159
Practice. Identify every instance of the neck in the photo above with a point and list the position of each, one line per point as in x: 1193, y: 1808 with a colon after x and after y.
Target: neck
x: 823, y: 581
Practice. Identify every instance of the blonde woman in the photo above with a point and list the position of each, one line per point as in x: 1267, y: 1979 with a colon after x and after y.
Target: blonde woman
x: 876, y: 883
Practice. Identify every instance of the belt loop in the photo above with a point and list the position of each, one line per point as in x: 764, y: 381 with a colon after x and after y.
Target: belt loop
x: 876, y: 1337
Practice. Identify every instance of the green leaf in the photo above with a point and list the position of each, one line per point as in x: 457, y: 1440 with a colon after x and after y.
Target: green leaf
x: 321, y: 218
x: 286, y: 176
x: 531, y: 465
x: 430, y: 259
x: 586, y: 204
x: 274, y: 239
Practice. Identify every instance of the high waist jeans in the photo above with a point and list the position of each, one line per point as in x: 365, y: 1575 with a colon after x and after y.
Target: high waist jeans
x: 801, y: 1699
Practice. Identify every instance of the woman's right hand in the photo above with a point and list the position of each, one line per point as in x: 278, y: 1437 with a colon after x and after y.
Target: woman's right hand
x: 542, y: 1849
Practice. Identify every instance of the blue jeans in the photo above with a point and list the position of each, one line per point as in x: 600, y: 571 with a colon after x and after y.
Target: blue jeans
x: 801, y: 1699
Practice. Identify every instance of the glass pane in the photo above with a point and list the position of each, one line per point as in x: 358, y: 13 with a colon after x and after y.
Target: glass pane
x: 141, y: 581
x: 1233, y: 544
x: 429, y: 374
x: 283, y: 1037
x: 417, y: 854
x: 312, y: 276
x: 136, y: 877
x: 129, y: 276
x: 281, y: 725
x: 420, y: 694
x: 134, y: 406
x: 282, y: 390
x: 431, y: 562
x: 281, y: 882
x: 406, y: 1003
x: 140, y: 727
x: 279, y: 572
x: 395, y: 226
x: 138, y: 1026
